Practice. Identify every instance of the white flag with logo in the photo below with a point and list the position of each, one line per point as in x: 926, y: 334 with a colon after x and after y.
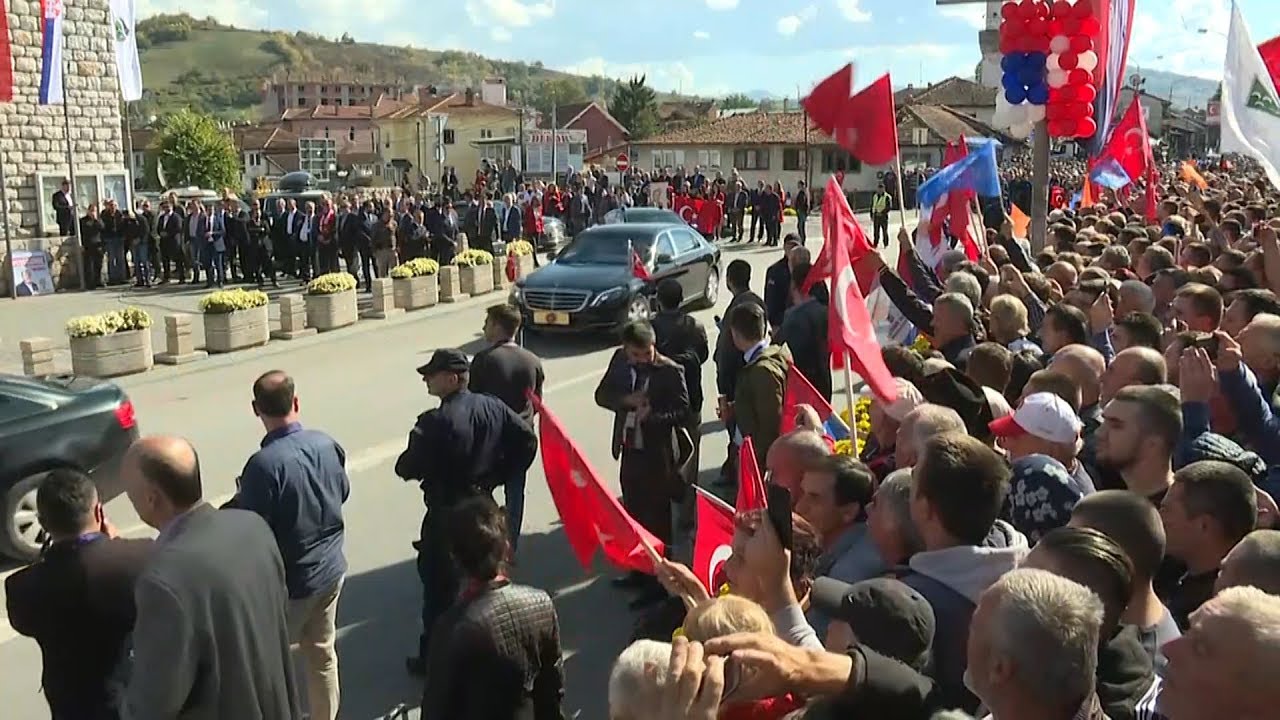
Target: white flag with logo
x: 124, y: 17
x: 1250, y: 106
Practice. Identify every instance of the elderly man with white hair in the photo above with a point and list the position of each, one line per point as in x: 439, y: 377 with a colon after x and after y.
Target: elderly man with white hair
x: 919, y: 425
x: 885, y: 420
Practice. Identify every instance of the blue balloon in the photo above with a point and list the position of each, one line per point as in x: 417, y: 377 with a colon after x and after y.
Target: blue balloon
x: 1029, y: 76
x: 1038, y: 94
x: 1015, y: 95
x: 1036, y: 60
x: 1008, y: 63
x: 1011, y: 80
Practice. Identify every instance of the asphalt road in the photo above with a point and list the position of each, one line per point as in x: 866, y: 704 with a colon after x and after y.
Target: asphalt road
x: 360, y: 386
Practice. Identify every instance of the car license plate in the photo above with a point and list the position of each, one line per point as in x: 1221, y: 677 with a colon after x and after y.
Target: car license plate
x: 551, y: 318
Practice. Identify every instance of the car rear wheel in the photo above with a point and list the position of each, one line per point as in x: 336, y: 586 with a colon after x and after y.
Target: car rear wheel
x: 22, y: 536
x: 711, y: 292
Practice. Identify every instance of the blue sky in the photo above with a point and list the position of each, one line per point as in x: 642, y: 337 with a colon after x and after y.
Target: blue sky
x: 714, y: 47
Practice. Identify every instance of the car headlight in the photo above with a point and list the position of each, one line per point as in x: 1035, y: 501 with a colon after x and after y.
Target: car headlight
x: 516, y: 297
x: 609, y: 296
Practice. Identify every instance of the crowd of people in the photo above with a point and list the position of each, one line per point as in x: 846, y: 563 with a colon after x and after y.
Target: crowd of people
x: 1066, y: 511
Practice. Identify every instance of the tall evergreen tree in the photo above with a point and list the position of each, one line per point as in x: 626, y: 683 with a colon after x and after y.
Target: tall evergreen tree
x: 635, y: 105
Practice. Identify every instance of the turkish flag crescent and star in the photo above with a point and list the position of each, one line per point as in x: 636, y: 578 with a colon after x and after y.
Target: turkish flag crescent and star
x: 849, y: 327
x: 713, y: 540
x: 591, y: 515
x: 1129, y: 145
x: 864, y: 123
x: 751, y: 493
x: 867, y: 275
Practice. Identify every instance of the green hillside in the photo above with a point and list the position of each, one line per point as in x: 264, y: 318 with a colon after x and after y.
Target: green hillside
x: 214, y: 68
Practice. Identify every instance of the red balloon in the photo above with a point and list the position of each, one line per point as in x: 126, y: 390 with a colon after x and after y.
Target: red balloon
x: 1090, y: 27
x: 1079, y: 77
x: 1079, y: 109
x: 1044, y: 10
x: 1081, y: 43
x: 1086, y: 93
x: 1009, y: 10
x: 1069, y: 94
x: 1061, y: 9
x: 1037, y: 26
x: 1041, y: 44
x: 1083, y: 9
x: 1008, y: 46
x: 1027, y: 9
x: 1068, y: 61
x: 1053, y: 112
x: 1086, y: 127
x: 1060, y: 128
x: 1071, y: 26
x: 1055, y: 27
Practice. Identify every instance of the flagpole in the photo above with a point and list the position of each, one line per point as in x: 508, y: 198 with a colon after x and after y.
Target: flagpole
x: 4, y: 216
x: 902, y: 200
x: 848, y: 389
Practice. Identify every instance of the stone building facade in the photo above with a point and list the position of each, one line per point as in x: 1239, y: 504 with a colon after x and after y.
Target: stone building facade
x: 33, y: 138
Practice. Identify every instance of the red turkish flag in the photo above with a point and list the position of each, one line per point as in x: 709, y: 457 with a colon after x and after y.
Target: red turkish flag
x: 751, y: 493
x: 638, y: 268
x: 821, y: 268
x: 713, y: 541
x: 709, y: 217
x: 1129, y: 144
x: 591, y: 515
x: 1270, y: 52
x: 800, y: 391
x: 849, y: 328
x: 512, y: 269
x: 865, y: 123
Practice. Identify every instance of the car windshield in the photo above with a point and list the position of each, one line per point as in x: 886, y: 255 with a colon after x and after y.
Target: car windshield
x: 605, y: 248
x: 651, y: 215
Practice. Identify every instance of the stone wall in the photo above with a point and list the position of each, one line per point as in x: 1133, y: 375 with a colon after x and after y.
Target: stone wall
x: 33, y: 138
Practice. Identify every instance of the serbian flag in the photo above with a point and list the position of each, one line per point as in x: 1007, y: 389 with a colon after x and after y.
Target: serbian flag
x: 864, y: 123
x: 976, y: 172
x: 51, y: 11
x: 713, y: 540
x: 868, y: 277
x: 959, y: 203
x: 6, y: 57
x: 1108, y: 173
x: 638, y: 269
x: 751, y: 494
x: 592, y: 517
x: 800, y: 391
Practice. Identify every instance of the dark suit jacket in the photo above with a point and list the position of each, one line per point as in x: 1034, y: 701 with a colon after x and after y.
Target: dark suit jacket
x: 77, y: 603
x: 26, y: 289
x: 668, y: 398
x: 512, y: 222
x: 728, y: 358
x: 499, y: 659
x: 212, y: 640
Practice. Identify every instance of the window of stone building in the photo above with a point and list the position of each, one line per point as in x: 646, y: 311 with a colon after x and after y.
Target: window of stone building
x: 839, y: 161
x: 448, y: 136
x: 792, y: 159
x: 751, y: 159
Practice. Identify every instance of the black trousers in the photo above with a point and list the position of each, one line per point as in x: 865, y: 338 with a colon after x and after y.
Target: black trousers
x: 93, y: 267
x: 171, y: 259
x: 879, y: 225
x: 303, y: 255
x: 441, y: 579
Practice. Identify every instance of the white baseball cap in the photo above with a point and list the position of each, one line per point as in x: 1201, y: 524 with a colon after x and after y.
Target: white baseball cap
x: 1043, y: 415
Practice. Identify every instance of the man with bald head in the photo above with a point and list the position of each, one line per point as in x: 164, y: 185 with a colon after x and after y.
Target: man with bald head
x: 1085, y: 365
x: 211, y: 639
x: 1254, y: 561
x: 1133, y: 366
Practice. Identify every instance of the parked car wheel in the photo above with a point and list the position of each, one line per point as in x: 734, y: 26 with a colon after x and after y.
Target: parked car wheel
x: 22, y: 537
x: 710, y: 293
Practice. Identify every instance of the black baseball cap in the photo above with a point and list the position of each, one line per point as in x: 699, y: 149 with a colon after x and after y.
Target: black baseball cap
x: 446, y: 360
x: 886, y: 615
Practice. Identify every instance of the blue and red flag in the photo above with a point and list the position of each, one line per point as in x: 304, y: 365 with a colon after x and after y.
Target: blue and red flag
x: 51, y: 14
x: 799, y: 392
x: 1116, y: 19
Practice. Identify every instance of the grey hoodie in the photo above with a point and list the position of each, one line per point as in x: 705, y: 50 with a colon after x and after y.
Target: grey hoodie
x: 952, y: 580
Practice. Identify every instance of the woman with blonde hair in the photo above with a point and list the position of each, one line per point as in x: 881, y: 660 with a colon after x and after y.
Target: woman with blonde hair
x: 1009, y: 324
x: 726, y: 615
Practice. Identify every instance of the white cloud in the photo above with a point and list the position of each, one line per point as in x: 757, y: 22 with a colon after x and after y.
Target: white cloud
x: 923, y: 50
x: 852, y: 11
x: 240, y: 13
x: 789, y: 24
x: 509, y: 13
x: 500, y: 34
x: 722, y: 4
x: 975, y: 15
x: 701, y: 35
x: 669, y: 77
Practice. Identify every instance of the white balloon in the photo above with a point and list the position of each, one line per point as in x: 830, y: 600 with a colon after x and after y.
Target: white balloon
x: 1021, y: 131
x: 1035, y: 114
x: 1051, y: 62
x: 1059, y: 44
x: 1057, y: 78
x: 1087, y: 61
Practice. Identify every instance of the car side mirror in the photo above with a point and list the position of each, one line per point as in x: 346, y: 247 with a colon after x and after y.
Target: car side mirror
x: 663, y: 259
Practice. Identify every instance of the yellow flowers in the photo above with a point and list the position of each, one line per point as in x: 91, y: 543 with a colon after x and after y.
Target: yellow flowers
x: 108, y: 323
x: 417, y: 267
x: 229, y: 301
x: 471, y: 258
x: 332, y: 284
x: 519, y: 247
x: 922, y: 344
x: 860, y: 424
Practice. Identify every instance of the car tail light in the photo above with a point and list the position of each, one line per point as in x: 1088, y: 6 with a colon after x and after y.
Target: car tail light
x: 125, y: 415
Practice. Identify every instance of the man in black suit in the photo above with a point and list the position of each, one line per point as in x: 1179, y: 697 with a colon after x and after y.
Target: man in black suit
x: 508, y: 372
x: 28, y: 286
x: 489, y: 228
x: 64, y: 210
x: 169, y: 227
x: 76, y: 602
x: 212, y: 639
x: 729, y: 362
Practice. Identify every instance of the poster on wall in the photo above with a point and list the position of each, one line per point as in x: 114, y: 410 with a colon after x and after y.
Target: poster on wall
x: 31, y: 273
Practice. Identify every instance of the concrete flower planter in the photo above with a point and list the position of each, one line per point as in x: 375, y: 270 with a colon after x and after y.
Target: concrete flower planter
x: 330, y: 312
x: 499, y: 266
x: 524, y: 266
x: 416, y: 292
x: 476, y: 279
x: 104, y: 356
x: 228, y: 332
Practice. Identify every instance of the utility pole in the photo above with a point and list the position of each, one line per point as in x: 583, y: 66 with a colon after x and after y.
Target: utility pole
x: 520, y: 140
x: 555, y: 130
x: 71, y: 172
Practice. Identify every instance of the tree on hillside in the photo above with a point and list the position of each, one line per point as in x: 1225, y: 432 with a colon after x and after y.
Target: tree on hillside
x: 193, y: 150
x: 635, y: 105
x: 563, y: 91
x: 736, y: 101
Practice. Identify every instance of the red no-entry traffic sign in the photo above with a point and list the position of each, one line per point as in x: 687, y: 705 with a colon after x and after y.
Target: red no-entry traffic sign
x: 622, y: 163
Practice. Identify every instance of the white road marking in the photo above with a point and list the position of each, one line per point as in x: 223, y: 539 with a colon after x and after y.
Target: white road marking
x: 360, y: 462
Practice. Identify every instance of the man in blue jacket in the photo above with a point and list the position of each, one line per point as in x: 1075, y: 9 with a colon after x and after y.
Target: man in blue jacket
x: 298, y: 483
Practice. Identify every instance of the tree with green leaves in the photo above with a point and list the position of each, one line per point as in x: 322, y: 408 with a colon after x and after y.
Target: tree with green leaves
x: 194, y: 151
x: 736, y: 101
x: 635, y: 105
x: 561, y: 91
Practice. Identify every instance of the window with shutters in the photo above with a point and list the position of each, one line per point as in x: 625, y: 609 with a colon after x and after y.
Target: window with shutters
x: 839, y: 161
x: 792, y: 159
x: 753, y: 159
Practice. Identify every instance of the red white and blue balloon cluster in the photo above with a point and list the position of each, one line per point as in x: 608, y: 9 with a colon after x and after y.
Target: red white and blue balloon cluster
x: 1048, y: 67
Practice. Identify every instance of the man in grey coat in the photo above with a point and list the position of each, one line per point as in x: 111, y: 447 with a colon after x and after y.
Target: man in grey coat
x: 211, y: 640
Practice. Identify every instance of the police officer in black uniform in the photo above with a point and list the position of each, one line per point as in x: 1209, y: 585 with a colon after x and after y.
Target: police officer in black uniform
x: 468, y: 446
